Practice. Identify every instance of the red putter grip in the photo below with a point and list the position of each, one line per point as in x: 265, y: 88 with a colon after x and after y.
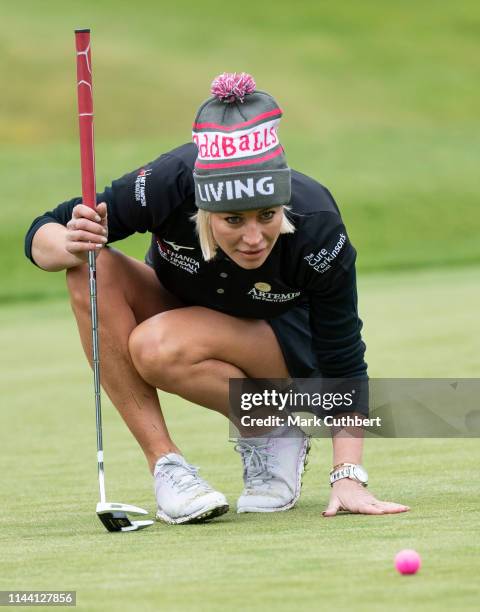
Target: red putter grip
x: 85, y: 116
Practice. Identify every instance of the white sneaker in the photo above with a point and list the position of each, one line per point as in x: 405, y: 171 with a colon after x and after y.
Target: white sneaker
x: 182, y: 496
x: 272, y: 470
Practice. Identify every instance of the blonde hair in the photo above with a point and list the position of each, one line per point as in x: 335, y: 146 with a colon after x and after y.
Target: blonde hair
x: 205, y: 235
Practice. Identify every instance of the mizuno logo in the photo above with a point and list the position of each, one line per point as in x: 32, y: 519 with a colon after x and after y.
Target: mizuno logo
x: 177, y: 247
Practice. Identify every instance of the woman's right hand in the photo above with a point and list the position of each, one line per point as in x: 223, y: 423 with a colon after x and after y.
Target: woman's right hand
x: 87, y: 230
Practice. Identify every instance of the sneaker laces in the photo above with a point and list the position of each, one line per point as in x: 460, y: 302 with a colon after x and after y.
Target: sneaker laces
x: 256, y: 462
x: 184, y: 477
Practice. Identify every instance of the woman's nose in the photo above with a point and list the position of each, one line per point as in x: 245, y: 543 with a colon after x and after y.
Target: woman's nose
x: 252, y: 234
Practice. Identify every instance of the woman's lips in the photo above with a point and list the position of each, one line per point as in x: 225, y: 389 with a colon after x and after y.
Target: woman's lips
x: 252, y: 254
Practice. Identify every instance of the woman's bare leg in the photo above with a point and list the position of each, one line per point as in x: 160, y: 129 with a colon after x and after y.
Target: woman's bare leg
x: 128, y: 293
x: 194, y: 351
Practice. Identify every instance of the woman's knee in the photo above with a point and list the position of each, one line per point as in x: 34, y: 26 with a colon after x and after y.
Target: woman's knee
x: 158, y: 354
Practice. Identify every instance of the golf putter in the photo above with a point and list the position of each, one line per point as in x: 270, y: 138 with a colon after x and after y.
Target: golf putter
x: 114, y: 516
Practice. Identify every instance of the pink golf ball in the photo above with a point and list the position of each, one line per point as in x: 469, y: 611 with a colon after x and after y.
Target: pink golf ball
x: 408, y: 561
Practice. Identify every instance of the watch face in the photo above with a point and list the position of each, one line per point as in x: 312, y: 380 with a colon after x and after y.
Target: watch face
x: 360, y: 473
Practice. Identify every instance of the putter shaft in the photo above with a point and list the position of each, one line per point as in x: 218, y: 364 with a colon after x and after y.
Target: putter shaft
x: 92, y: 269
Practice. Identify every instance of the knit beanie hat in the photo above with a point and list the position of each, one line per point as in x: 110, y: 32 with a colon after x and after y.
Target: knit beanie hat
x: 241, y: 164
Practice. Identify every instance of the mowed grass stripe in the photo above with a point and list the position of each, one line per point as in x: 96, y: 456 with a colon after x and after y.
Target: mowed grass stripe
x: 51, y: 538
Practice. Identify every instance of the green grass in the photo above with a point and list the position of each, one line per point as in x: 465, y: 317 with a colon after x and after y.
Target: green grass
x: 51, y: 539
x: 381, y: 105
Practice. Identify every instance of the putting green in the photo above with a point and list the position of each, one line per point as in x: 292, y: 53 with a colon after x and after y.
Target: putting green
x: 415, y: 325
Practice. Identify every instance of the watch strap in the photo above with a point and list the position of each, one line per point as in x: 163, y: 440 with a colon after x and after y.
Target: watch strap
x: 345, y: 470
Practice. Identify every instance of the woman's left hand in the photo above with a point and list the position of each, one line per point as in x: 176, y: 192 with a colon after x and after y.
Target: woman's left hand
x: 350, y: 496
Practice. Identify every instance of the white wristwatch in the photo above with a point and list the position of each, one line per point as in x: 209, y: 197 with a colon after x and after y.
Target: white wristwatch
x: 354, y: 471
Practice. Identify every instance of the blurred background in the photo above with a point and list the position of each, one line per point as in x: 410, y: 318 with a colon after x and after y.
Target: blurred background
x: 380, y: 99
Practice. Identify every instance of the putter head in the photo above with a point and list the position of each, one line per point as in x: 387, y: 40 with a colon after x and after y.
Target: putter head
x: 115, y: 517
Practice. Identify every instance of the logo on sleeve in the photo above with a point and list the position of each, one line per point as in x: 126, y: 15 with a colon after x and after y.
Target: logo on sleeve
x: 140, y: 183
x: 321, y: 261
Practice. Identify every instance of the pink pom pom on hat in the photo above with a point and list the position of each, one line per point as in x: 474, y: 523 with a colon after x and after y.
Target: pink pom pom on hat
x: 230, y: 86
x: 241, y: 163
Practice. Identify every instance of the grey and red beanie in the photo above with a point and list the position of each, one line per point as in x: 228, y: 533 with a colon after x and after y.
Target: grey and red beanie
x: 241, y: 164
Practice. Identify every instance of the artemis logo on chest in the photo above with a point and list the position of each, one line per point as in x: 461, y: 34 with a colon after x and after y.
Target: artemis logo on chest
x: 236, y: 189
x: 262, y: 291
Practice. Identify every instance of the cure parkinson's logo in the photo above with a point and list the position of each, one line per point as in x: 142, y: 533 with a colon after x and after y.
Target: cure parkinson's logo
x: 322, y: 260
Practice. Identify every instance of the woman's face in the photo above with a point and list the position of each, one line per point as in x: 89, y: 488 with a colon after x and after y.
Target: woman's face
x: 247, y: 237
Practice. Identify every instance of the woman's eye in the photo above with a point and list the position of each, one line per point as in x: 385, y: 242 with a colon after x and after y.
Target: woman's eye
x: 267, y: 215
x: 233, y: 220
